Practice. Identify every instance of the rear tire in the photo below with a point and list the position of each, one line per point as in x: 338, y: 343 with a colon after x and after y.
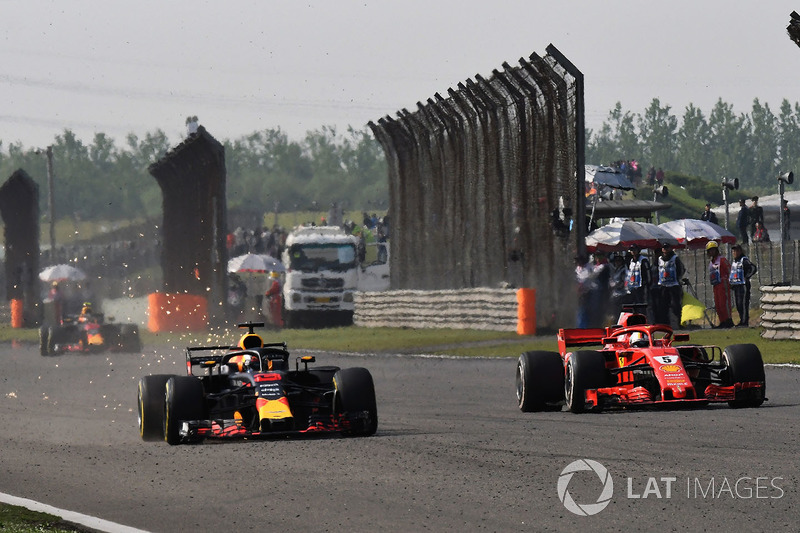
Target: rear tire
x: 151, y: 401
x: 184, y: 401
x: 745, y: 364
x: 539, y: 380
x: 44, y: 337
x: 585, y: 370
x: 354, y: 397
x: 51, y: 341
x: 129, y: 339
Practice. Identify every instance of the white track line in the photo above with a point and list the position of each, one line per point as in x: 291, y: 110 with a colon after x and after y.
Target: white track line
x: 70, y: 516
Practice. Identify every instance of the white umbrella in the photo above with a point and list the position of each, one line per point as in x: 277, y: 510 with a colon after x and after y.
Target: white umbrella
x: 694, y: 233
x: 61, y: 273
x: 255, y: 264
x: 619, y: 236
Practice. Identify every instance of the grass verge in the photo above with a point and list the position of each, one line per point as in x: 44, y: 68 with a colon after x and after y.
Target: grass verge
x: 452, y: 342
x: 15, y: 519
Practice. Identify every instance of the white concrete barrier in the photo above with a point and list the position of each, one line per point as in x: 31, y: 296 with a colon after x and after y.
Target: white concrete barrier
x: 781, y: 312
x: 484, y: 309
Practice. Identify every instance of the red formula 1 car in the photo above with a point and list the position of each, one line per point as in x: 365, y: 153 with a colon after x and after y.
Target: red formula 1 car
x: 637, y: 364
x: 249, y: 391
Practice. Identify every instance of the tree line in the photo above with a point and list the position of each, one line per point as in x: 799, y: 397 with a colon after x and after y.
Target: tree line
x: 268, y: 171
x: 103, y: 180
x: 754, y: 147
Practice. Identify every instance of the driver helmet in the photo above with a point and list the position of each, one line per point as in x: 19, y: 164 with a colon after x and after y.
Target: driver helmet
x: 638, y: 339
x: 87, y: 308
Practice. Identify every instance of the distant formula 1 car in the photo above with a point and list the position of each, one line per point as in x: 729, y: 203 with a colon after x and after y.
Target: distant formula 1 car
x: 88, y: 333
x: 637, y: 364
x: 250, y: 391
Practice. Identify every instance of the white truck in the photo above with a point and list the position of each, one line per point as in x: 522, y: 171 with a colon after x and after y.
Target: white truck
x: 321, y: 277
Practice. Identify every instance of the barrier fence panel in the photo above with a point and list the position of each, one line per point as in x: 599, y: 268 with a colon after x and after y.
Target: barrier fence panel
x: 483, y: 185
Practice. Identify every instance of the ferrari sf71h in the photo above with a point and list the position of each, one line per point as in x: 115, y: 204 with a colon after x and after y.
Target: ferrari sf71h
x: 637, y: 364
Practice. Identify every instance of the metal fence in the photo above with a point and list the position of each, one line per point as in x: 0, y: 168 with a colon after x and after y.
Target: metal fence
x: 766, y: 255
x: 483, y: 184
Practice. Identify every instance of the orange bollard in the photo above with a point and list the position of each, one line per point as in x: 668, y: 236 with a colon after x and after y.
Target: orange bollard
x: 17, y: 319
x: 526, y: 311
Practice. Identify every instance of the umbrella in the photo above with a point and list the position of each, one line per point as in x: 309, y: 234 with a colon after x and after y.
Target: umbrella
x: 619, y: 236
x: 695, y: 233
x: 61, y: 273
x: 255, y: 263
x: 607, y: 176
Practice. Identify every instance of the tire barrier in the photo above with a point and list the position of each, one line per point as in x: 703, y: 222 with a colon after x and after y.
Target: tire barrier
x: 177, y: 312
x: 482, y: 308
x: 781, y: 315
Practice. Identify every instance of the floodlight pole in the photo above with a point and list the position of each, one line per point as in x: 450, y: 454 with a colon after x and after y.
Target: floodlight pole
x: 50, y: 200
x: 783, y: 232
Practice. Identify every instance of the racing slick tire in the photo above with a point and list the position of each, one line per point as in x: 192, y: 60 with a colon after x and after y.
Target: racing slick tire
x: 540, y: 381
x: 51, y: 341
x: 44, y: 337
x: 151, y: 402
x: 745, y: 364
x: 585, y: 370
x: 129, y: 340
x: 183, y: 401
x: 354, y: 392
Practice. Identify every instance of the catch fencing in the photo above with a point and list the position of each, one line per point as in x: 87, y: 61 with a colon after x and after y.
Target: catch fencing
x: 484, y: 185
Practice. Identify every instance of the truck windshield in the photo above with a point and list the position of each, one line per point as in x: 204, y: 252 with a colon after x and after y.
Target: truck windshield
x: 313, y: 257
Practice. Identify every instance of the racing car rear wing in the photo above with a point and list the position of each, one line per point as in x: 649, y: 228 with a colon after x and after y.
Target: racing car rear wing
x: 209, y: 360
x: 580, y: 337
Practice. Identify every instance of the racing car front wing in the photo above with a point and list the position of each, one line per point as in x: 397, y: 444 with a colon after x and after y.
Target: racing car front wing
x: 629, y: 396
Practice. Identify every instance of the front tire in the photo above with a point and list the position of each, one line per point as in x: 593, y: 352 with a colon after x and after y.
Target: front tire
x: 151, y: 401
x: 184, y: 401
x: 354, y: 401
x: 44, y: 336
x: 585, y: 370
x: 539, y: 380
x: 745, y: 364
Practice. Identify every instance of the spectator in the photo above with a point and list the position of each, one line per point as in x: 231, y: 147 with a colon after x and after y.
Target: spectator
x: 586, y: 284
x: 660, y: 177
x: 651, y: 176
x: 743, y: 220
x: 719, y: 271
x: 670, y: 273
x: 786, y: 221
x: 601, y: 271
x: 616, y: 282
x: 639, y: 279
x: 756, y: 215
x: 55, y: 297
x: 708, y: 215
x: 741, y: 272
x: 760, y: 234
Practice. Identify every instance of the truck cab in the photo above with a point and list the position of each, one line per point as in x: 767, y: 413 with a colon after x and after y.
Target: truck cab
x: 321, y: 276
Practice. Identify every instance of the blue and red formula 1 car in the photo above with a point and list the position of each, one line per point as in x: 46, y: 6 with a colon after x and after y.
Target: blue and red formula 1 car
x: 249, y: 391
x: 637, y: 364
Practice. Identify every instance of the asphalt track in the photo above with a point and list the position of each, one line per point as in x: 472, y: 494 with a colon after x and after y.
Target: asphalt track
x: 452, y: 452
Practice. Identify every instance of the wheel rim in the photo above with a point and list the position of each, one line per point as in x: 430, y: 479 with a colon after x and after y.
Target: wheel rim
x: 520, y: 383
x: 568, y: 383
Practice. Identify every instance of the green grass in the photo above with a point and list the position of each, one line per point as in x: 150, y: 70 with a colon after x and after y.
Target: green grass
x: 452, y: 342
x: 20, y: 520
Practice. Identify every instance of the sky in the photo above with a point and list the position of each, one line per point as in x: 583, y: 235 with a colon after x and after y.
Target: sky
x: 243, y: 66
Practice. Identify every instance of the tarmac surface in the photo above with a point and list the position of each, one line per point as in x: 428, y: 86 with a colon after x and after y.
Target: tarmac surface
x: 452, y: 452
